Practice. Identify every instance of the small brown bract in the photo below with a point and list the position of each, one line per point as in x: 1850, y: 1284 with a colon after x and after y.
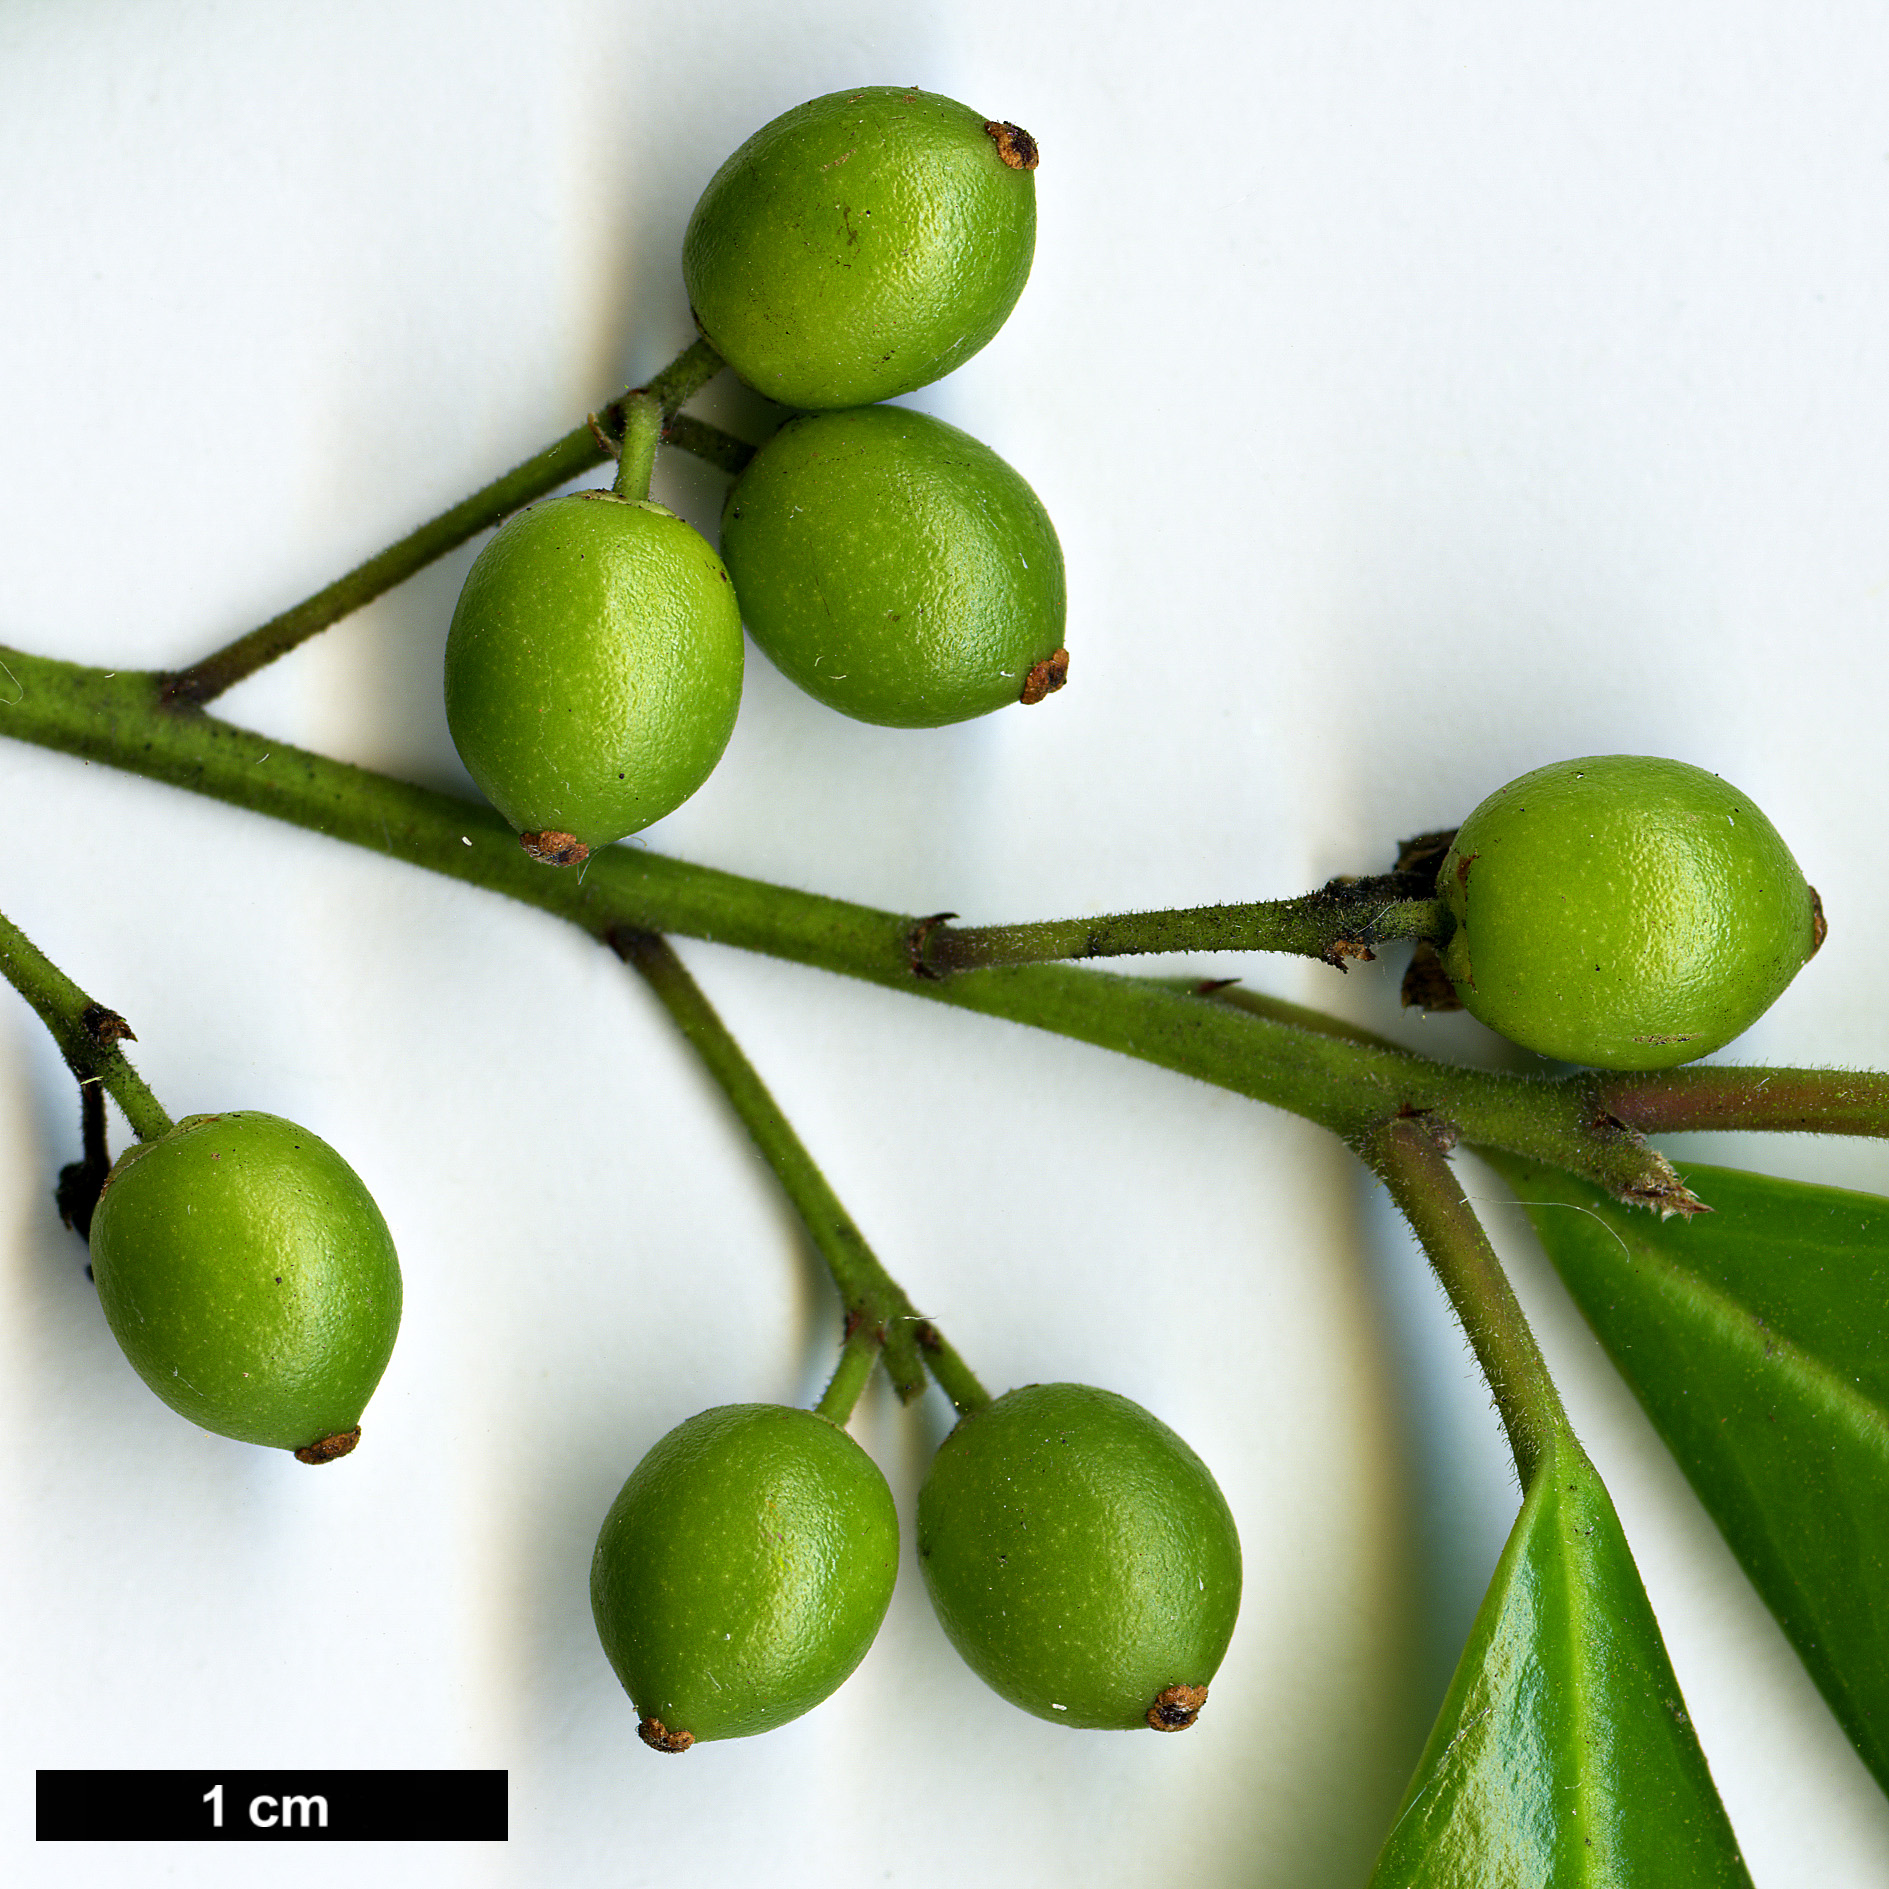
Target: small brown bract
x: 658, y: 1737
x: 331, y: 1448
x: 1426, y: 984
x: 555, y: 849
x: 1045, y: 679
x: 1344, y: 952
x: 919, y: 937
x: 1177, y: 1708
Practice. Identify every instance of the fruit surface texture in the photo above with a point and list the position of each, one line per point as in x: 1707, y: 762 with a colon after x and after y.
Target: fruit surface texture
x: 1081, y: 1558
x: 1623, y: 911
x: 896, y: 568
x: 249, y: 1277
x: 593, y: 667
x: 861, y: 245
x: 742, y: 1572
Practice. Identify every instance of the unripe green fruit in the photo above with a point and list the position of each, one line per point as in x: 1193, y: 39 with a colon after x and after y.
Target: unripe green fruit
x: 742, y: 1572
x: 1623, y: 911
x: 1081, y: 1558
x: 861, y: 245
x: 896, y: 568
x: 593, y: 667
x: 250, y: 1279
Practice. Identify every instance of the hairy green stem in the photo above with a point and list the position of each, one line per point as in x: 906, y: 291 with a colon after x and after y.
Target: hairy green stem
x: 1406, y: 1156
x: 579, y: 449
x: 953, y: 1375
x: 875, y: 1303
x: 120, y: 719
x: 87, y: 1033
x: 703, y: 441
x: 1340, y: 923
x: 1815, y: 1101
x: 636, y: 447
x: 1231, y: 992
x: 858, y: 1354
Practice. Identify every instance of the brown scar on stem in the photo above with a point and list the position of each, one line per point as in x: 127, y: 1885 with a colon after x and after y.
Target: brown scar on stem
x: 1819, y: 925
x: 1445, y: 1134
x: 106, y: 1027
x: 1666, y: 1193
x: 555, y: 849
x: 915, y: 942
x: 658, y: 1737
x: 1014, y: 145
x: 854, y: 1320
x: 330, y: 1449
x: 1665, y: 1202
x: 1340, y: 950
x: 1045, y: 679
x: 1177, y: 1708
x: 602, y: 438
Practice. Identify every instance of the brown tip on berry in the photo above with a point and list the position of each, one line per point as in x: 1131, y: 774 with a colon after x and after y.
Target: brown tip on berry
x: 555, y: 849
x: 1819, y: 925
x: 1045, y: 679
x: 1014, y: 145
x: 658, y: 1737
x: 1177, y: 1708
x: 331, y: 1448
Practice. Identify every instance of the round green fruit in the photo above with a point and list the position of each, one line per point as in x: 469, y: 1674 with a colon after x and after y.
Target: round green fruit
x: 1081, y: 1558
x: 861, y: 245
x: 593, y: 669
x: 1623, y: 911
x: 250, y: 1279
x: 742, y: 1572
x: 897, y: 569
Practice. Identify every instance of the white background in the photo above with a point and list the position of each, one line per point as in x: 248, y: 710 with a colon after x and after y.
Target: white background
x: 1423, y: 393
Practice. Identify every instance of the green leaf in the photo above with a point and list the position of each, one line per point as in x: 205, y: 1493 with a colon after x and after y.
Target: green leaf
x: 1563, y: 1754
x: 1757, y: 1338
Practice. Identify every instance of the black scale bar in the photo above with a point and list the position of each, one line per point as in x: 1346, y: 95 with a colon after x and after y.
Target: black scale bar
x: 272, y: 1806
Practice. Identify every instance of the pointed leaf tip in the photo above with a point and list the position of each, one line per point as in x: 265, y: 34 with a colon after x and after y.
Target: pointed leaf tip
x: 1563, y: 1753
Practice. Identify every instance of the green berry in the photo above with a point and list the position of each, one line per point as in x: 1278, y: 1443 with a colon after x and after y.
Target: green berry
x: 593, y: 669
x: 862, y: 245
x: 1081, y: 1558
x: 1623, y: 911
x: 742, y: 1572
x: 897, y: 569
x: 249, y: 1278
